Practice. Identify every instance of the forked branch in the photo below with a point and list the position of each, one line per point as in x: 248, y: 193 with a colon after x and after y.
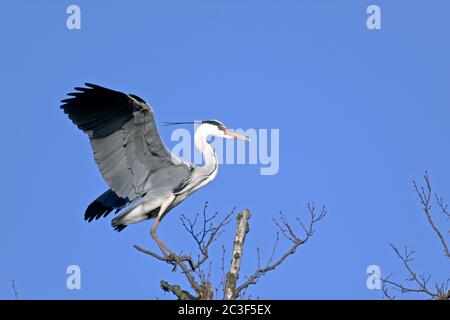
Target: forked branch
x: 204, y: 232
x: 421, y: 283
x: 288, y: 232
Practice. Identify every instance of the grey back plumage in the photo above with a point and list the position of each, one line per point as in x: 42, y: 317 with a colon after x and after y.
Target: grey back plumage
x: 127, y: 147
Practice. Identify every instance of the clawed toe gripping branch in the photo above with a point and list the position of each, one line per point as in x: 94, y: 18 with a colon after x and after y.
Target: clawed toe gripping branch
x: 205, y: 231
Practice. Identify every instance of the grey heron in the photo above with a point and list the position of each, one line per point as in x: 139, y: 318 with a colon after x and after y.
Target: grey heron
x: 145, y: 179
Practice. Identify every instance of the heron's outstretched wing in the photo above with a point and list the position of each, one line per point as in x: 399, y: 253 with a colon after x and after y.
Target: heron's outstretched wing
x: 123, y: 135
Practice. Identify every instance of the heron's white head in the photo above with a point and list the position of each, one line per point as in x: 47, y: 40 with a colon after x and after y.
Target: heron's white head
x: 211, y: 128
x: 218, y: 129
x: 205, y: 129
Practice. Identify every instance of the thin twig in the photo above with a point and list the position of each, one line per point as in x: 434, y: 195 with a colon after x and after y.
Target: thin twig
x: 424, y: 194
x: 421, y: 281
x: 13, y: 285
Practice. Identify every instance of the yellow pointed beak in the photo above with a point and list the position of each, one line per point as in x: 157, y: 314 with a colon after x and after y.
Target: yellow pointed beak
x: 236, y: 135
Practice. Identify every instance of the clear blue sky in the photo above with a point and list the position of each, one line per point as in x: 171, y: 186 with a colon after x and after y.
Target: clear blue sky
x: 361, y: 114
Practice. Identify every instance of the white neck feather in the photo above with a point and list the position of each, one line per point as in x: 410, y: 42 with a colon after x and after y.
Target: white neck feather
x: 209, y: 156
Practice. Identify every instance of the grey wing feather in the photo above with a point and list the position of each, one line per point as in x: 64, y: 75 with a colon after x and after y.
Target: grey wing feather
x: 127, y: 147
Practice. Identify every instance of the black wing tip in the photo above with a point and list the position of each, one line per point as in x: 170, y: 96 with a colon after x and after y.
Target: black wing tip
x: 88, y: 86
x: 119, y: 227
x: 96, y: 210
x: 72, y: 96
x: 91, y: 85
x: 93, y: 88
x: 65, y: 103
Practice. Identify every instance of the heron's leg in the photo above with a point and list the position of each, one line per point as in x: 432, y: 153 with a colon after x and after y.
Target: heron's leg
x: 164, y: 249
x: 155, y: 237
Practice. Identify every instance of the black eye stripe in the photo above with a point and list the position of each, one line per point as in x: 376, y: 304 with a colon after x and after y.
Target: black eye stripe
x: 215, y: 123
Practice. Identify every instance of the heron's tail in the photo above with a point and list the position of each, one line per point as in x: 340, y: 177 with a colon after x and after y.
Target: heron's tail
x: 133, y: 215
x: 103, y: 205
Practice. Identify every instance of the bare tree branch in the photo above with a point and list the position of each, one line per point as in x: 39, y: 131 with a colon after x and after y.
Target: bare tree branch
x: 177, y: 261
x: 425, y: 199
x: 223, y: 275
x: 420, y: 283
x: 238, y: 245
x: 207, y: 234
x: 13, y: 285
x: 198, y: 279
x: 177, y: 291
x: 288, y: 233
x: 384, y: 287
x: 204, y: 232
x: 420, y: 280
x: 443, y: 206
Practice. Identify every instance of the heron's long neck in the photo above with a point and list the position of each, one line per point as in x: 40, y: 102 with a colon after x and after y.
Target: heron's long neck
x: 207, y: 151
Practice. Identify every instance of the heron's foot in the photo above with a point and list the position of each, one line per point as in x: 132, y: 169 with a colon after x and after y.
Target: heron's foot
x: 167, y: 253
x: 170, y: 253
x: 161, y: 247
